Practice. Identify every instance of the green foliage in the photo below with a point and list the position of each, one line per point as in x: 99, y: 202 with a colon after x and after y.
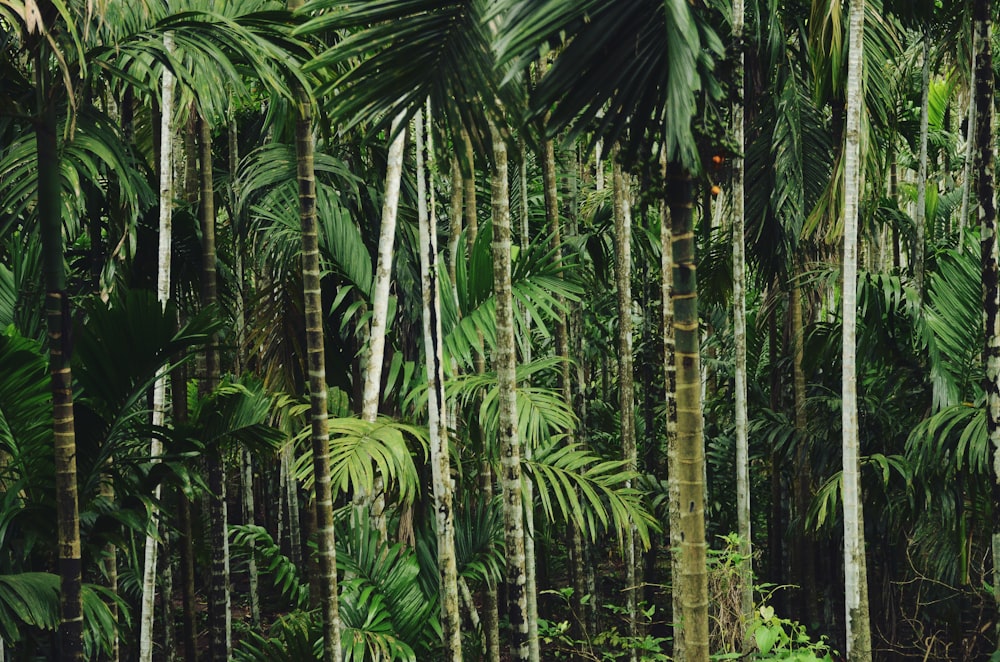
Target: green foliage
x: 31, y: 600
x: 250, y: 539
x: 359, y: 448
x: 584, y: 487
x: 604, y: 646
x: 382, y: 605
x: 294, y: 637
x: 781, y: 639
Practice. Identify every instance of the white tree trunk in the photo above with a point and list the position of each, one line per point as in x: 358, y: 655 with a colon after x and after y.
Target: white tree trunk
x: 437, y: 412
x: 626, y: 389
x: 380, y: 308
x: 160, y: 386
x: 510, y: 441
x: 740, y: 329
x: 855, y: 574
x: 530, y: 583
x: 920, y: 217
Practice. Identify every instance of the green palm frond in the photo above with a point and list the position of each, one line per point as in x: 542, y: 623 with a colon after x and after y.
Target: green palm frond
x: 382, y: 604
x: 120, y: 346
x: 21, y: 300
x: 826, y: 503
x: 951, y: 442
x: 594, y: 492
x: 235, y: 413
x: 645, y: 64
x: 253, y: 540
x: 268, y: 193
x: 96, y: 149
x: 293, y: 637
x: 538, y: 283
x: 542, y: 412
x: 359, y: 448
x: 433, y: 49
x: 25, y: 406
x: 954, y: 326
x: 31, y: 600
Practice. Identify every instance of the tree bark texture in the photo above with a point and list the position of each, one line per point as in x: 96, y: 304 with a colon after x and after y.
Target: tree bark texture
x: 740, y: 328
x: 504, y: 362
x: 166, y: 177
x: 986, y: 194
x: 59, y: 321
x: 859, y: 645
x: 451, y: 624
x: 316, y: 364
x: 626, y: 384
x: 689, y: 468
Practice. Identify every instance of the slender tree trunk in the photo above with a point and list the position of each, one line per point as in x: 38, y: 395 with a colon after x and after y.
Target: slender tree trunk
x: 451, y: 624
x: 316, y: 363
x: 803, y: 551
x: 531, y: 579
x: 920, y: 218
x: 455, y: 219
x: 185, y: 539
x: 670, y: 402
x: 740, y: 331
x: 859, y: 646
x: 510, y: 442
x: 220, y: 612
x: 970, y: 151
x: 491, y: 608
x: 159, y: 388
x: 986, y: 194
x: 626, y: 385
x: 689, y: 468
x: 380, y: 309
x: 59, y: 320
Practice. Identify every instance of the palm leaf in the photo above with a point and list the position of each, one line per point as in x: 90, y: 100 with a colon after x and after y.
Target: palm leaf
x: 359, y: 448
x: 31, y: 600
x: 594, y: 492
x: 645, y: 63
x: 433, y: 49
x: 382, y: 603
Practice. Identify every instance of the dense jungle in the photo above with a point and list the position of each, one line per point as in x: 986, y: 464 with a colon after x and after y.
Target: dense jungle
x: 503, y: 330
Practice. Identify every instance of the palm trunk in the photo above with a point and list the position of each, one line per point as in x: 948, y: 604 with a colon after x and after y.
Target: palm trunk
x: 185, y: 542
x: 531, y: 579
x: 920, y: 218
x: 803, y: 551
x: 970, y: 144
x: 986, y: 194
x: 220, y: 612
x: 626, y: 386
x: 510, y: 442
x: 689, y: 468
x: 740, y: 330
x: 859, y: 646
x: 316, y: 363
x: 451, y: 625
x: 491, y: 608
x: 380, y: 307
x: 159, y: 388
x: 57, y: 313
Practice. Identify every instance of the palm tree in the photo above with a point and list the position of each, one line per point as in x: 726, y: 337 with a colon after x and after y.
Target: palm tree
x: 504, y: 361
x: 316, y: 362
x: 58, y: 318
x: 626, y: 384
x: 739, y: 320
x: 859, y: 646
x: 164, y: 234
x: 437, y: 409
x: 986, y: 194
